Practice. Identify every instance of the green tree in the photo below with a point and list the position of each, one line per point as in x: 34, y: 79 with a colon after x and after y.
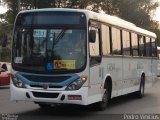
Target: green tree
x: 12, y: 10
x: 16, y: 5
x: 138, y: 12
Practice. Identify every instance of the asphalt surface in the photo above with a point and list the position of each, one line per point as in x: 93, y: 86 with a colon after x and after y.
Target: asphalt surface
x: 117, y: 110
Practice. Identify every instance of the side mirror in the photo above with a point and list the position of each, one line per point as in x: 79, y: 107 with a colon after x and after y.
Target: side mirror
x: 92, y: 36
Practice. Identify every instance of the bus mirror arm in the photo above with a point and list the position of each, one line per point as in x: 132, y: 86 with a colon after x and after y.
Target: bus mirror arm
x: 92, y: 36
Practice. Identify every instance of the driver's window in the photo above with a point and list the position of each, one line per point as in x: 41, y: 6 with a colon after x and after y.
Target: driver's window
x: 39, y: 36
x: 94, y: 47
x: 95, y: 56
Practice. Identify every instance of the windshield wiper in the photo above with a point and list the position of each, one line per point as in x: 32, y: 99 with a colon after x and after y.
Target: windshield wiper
x: 56, y: 39
x: 60, y: 36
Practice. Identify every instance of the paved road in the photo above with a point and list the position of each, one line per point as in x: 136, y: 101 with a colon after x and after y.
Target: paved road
x: 150, y: 103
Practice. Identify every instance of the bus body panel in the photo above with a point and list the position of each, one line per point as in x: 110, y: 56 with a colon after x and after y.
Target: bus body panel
x: 19, y: 94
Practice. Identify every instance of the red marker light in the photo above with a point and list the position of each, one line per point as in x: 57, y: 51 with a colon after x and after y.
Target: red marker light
x: 74, y: 97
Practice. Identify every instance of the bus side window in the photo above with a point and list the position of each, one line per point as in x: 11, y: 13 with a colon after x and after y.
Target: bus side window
x: 105, y: 40
x: 141, y: 45
x: 116, y: 41
x: 134, y: 44
x: 148, y: 47
x: 154, y: 48
x: 126, y: 43
x: 144, y: 47
x: 95, y: 53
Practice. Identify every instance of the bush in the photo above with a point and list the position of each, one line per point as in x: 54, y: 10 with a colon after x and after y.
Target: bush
x: 5, y: 54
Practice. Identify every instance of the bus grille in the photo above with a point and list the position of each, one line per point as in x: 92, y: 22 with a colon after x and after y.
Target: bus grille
x: 41, y: 86
x: 45, y: 95
x: 50, y: 79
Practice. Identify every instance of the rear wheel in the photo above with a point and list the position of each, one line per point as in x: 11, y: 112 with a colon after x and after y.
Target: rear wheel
x: 140, y: 93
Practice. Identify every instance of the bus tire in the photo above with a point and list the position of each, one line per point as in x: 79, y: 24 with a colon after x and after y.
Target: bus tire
x: 140, y: 93
x: 105, y: 100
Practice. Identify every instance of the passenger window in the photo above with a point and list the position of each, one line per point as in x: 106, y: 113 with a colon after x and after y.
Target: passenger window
x: 116, y: 42
x: 148, y: 47
x: 154, y: 49
x: 126, y: 43
x: 134, y: 44
x: 141, y: 45
x: 105, y: 40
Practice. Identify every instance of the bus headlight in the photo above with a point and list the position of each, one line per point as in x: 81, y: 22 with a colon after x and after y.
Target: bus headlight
x: 17, y: 82
x: 76, y: 85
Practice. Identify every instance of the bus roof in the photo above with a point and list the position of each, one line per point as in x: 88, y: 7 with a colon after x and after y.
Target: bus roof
x: 113, y: 20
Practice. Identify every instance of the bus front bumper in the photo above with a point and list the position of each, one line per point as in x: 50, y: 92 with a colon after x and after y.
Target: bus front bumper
x: 61, y: 97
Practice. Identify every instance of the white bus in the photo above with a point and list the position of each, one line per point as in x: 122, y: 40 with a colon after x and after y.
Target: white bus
x: 74, y: 56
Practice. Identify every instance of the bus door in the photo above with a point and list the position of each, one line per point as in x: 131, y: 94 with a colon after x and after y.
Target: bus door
x: 95, y: 60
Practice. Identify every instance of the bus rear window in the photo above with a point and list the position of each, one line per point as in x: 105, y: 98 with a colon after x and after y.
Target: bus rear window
x: 50, y: 18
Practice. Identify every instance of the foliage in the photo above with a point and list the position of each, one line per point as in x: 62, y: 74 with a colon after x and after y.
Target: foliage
x: 157, y: 32
x: 138, y: 12
x: 16, y: 5
x: 12, y: 10
x: 5, y: 33
x: 5, y: 54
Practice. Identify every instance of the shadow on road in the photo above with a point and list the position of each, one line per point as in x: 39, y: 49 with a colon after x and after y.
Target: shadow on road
x: 77, y: 110
x: 67, y: 112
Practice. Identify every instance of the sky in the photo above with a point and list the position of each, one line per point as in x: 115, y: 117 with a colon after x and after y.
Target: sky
x: 157, y: 15
x: 2, y: 9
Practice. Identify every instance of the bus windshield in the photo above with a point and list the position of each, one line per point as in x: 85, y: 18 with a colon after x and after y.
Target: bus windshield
x: 48, y: 49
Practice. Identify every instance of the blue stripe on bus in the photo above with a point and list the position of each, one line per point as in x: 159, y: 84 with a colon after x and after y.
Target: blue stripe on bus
x: 73, y: 77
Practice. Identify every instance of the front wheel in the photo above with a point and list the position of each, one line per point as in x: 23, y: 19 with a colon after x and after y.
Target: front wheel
x: 105, y: 101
